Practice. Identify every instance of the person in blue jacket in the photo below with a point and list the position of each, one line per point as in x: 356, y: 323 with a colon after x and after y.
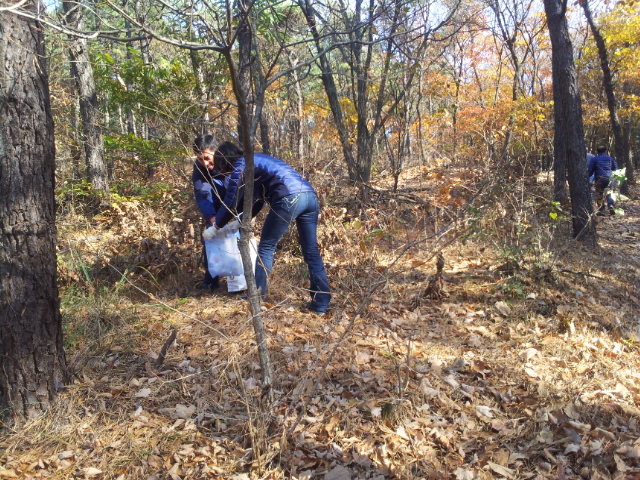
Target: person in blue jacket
x: 290, y: 198
x: 208, y: 189
x: 601, y: 167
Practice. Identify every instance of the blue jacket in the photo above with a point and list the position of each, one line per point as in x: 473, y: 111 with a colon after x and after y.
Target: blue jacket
x: 273, y: 180
x: 208, y: 188
x: 602, y: 165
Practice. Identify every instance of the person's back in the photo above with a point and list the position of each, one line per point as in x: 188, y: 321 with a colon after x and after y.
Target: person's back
x: 602, y: 164
x: 601, y: 167
x: 274, y: 179
x: 277, y: 179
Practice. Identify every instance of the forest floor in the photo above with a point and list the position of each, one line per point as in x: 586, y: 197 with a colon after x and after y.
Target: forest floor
x: 526, y: 367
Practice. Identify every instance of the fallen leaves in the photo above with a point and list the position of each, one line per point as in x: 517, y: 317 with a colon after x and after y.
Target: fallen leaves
x: 482, y: 386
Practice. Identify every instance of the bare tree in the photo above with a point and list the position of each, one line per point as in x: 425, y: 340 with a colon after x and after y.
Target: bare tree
x: 397, y: 32
x: 511, y: 28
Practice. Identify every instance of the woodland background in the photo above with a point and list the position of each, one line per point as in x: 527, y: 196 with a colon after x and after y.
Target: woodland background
x: 520, y: 361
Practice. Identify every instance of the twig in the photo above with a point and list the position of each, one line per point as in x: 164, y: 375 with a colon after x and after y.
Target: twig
x: 165, y: 347
x: 564, y: 270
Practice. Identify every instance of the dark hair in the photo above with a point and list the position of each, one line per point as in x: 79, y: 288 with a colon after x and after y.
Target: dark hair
x: 602, y: 149
x: 204, y: 142
x: 225, y: 156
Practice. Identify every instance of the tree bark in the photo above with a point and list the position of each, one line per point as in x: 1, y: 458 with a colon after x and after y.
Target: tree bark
x: 607, y: 80
x: 32, y: 361
x: 569, y: 143
x: 242, y: 94
x: 82, y: 72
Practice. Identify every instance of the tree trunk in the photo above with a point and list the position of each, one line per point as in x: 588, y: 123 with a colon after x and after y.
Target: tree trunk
x: 203, y: 122
x: 626, y: 135
x: 559, y: 155
x: 32, y: 361
x: 331, y: 90
x: 82, y: 72
x: 244, y: 71
x: 298, y: 143
x: 627, y: 124
x: 244, y: 128
x: 607, y: 79
x: 131, y: 119
x: 569, y: 135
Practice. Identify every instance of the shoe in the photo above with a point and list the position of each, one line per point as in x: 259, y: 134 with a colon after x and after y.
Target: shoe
x: 210, y: 285
x: 313, y: 308
x: 612, y: 211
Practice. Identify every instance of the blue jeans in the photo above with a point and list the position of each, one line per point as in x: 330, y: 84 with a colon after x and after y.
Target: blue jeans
x: 303, y: 208
x: 601, y: 184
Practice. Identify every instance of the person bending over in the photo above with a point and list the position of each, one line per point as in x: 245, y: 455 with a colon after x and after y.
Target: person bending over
x: 290, y: 198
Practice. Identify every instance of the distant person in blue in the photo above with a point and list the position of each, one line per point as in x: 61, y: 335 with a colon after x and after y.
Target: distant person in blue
x: 601, y: 167
x: 290, y: 198
x: 208, y: 188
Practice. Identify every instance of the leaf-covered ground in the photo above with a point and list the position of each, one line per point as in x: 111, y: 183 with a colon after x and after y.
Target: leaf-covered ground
x: 527, y: 367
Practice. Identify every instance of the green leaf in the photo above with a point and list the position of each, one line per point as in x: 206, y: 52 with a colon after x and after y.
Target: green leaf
x: 619, y: 175
x: 553, y: 215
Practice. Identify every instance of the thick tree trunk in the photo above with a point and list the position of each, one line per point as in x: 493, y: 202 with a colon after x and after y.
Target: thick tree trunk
x: 32, y: 360
x: 82, y: 72
x: 569, y: 135
x: 607, y: 77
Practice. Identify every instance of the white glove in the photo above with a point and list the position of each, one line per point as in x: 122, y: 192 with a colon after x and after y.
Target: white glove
x: 211, y: 232
x: 230, y: 228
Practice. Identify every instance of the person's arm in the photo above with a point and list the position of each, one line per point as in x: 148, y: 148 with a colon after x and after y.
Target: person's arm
x: 235, y: 192
x: 592, y: 166
x: 204, y: 198
x: 614, y: 164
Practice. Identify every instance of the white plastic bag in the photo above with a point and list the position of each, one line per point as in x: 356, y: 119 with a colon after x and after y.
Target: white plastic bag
x: 237, y: 283
x: 223, y: 256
